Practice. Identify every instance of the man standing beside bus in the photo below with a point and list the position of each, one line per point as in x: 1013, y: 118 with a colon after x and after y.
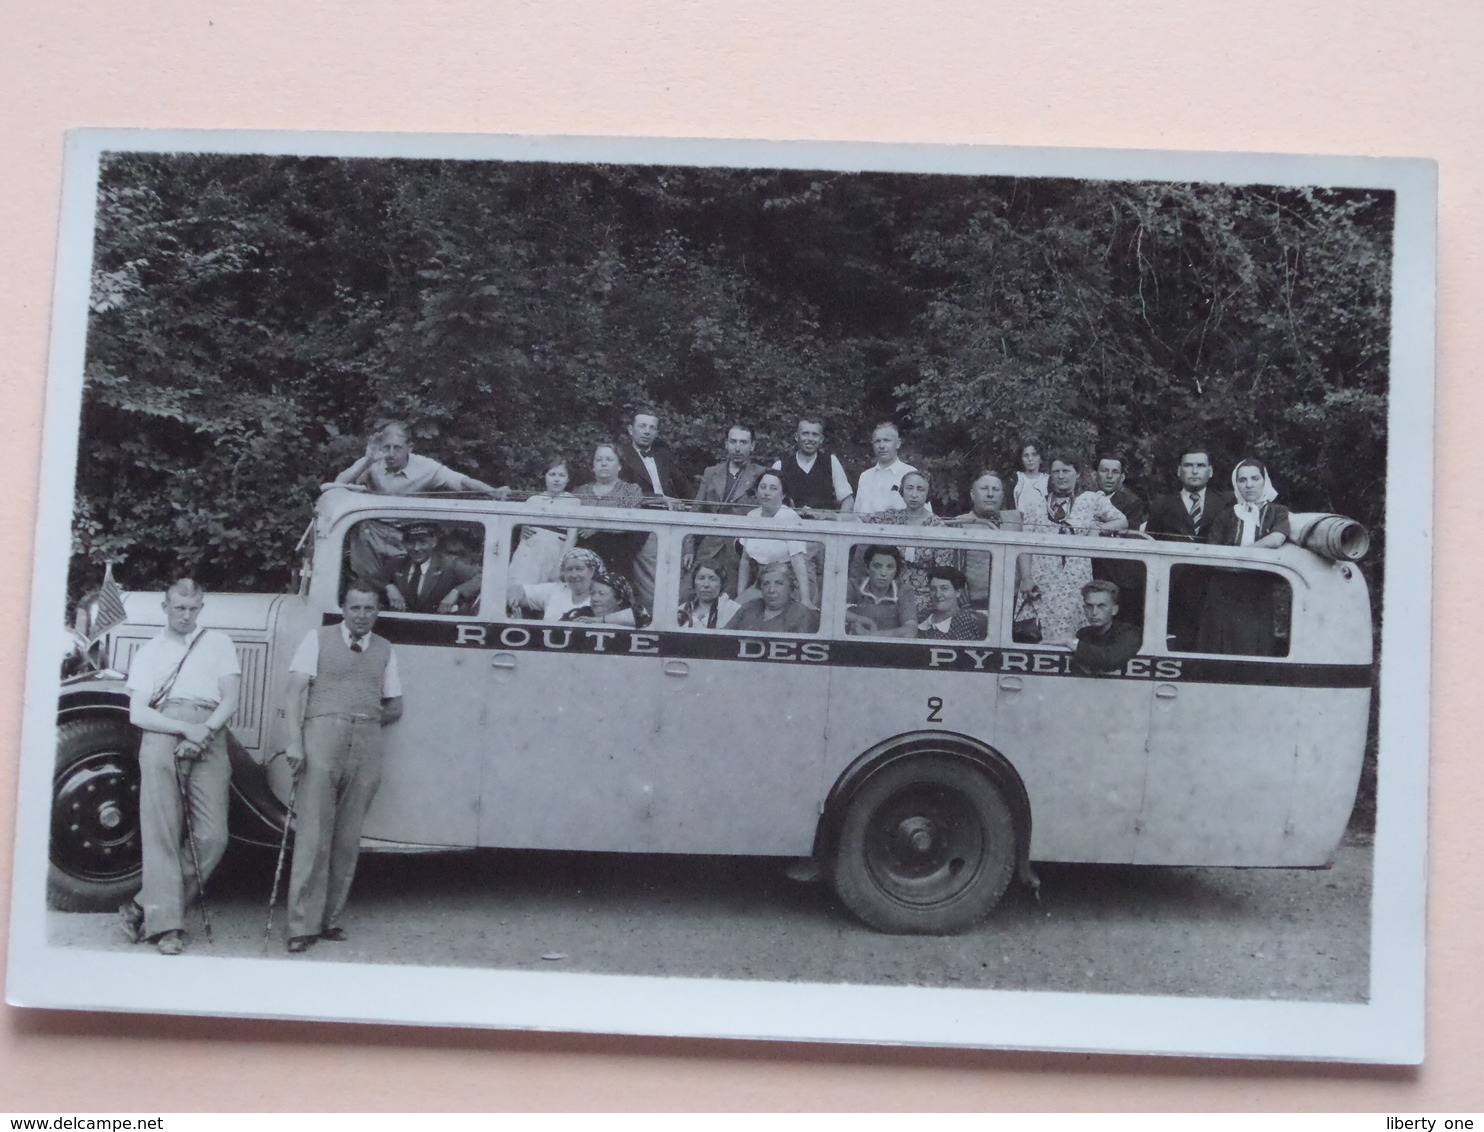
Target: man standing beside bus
x: 183, y: 688
x: 343, y: 689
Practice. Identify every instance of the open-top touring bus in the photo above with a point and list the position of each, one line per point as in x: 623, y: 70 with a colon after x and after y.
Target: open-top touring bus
x: 922, y: 773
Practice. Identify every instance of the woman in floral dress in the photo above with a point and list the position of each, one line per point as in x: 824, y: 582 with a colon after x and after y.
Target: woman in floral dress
x: 1052, y: 586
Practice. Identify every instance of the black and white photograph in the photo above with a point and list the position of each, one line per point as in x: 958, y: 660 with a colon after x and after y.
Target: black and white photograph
x: 474, y: 587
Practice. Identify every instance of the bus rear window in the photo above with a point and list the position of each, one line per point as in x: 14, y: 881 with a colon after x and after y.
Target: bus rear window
x: 1231, y: 611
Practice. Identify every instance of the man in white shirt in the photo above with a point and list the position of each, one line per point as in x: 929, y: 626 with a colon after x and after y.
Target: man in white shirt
x: 879, y: 487
x: 183, y: 688
x: 343, y: 689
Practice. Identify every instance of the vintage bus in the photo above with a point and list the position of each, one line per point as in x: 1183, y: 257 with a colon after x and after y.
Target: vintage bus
x: 922, y: 775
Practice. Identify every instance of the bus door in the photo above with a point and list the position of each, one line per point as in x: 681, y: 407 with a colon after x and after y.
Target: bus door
x: 1223, y: 740
x: 573, y: 693
x: 1077, y: 737
x: 430, y: 576
x: 744, y: 698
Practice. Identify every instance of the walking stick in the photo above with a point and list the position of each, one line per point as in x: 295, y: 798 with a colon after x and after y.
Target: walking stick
x: 185, y: 806
x: 283, y: 846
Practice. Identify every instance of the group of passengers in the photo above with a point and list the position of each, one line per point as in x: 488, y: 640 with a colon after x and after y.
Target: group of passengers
x: 754, y: 582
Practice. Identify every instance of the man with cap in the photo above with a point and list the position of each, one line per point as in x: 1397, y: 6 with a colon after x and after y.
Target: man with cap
x: 183, y: 688
x: 343, y: 689
x: 432, y: 581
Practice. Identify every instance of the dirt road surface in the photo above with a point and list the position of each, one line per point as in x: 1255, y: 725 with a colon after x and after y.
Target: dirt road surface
x: 1230, y: 933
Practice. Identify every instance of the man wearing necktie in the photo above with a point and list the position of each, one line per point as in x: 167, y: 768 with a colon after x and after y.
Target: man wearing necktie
x: 432, y: 581
x: 1185, y: 516
x: 343, y: 689
x: 645, y: 461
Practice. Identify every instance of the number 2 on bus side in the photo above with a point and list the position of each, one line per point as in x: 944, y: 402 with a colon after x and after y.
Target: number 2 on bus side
x: 935, y: 709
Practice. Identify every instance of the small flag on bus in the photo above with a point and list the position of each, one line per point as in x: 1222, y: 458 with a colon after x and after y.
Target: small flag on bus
x: 110, y: 606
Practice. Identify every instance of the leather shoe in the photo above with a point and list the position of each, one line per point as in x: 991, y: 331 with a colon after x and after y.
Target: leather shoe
x: 300, y: 943
x: 131, y: 921
x: 171, y: 943
x: 334, y: 935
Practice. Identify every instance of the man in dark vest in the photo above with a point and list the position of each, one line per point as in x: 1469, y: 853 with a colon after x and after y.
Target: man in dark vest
x: 812, y: 477
x: 343, y: 689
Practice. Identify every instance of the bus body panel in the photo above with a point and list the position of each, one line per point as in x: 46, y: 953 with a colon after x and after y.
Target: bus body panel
x: 430, y: 778
x: 1256, y: 782
x: 739, y: 752
x: 570, y: 753
x: 1079, y: 743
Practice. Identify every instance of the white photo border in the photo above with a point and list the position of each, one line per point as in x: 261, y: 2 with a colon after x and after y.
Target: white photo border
x: 1388, y: 1028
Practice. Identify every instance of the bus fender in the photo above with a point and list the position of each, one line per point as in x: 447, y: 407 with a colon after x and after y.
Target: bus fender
x: 911, y: 745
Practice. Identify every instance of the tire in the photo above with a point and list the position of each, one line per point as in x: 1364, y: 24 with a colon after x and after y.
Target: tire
x: 95, y: 848
x: 927, y: 847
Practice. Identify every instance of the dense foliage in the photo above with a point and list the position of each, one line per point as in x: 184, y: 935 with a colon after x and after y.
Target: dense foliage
x: 252, y: 315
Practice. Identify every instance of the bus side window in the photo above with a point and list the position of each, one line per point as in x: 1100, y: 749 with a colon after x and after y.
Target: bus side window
x: 1050, y: 603
x: 589, y: 575
x: 1228, y: 610
x: 417, y: 566
x: 754, y: 585
x: 907, y: 592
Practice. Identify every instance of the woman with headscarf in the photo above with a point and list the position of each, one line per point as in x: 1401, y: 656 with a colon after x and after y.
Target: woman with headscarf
x: 610, y: 601
x: 579, y: 568
x: 1238, y: 614
x: 1052, y: 587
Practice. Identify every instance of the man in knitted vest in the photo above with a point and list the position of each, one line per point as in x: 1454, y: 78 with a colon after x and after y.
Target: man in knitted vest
x: 343, y: 689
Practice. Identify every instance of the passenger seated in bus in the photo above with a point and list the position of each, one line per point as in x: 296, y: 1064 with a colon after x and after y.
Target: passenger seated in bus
x: 759, y: 552
x: 609, y: 602
x: 882, y: 608
x: 1104, y: 645
x: 951, y: 619
x: 776, y: 611
x: 552, y: 599
x: 433, y: 580
x: 709, y: 607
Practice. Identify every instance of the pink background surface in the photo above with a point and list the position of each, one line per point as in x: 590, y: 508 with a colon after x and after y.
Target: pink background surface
x: 1360, y: 77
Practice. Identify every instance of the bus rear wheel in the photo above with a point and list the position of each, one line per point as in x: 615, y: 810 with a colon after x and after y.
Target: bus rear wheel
x: 927, y: 846
x: 95, y: 848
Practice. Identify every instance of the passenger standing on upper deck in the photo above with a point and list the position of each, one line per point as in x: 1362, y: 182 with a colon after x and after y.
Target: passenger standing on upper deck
x: 987, y: 494
x: 1239, y: 615
x: 729, y: 488
x: 915, y: 512
x: 760, y: 552
x: 1054, y: 581
x: 1111, y: 476
x: 645, y: 461
x: 879, y: 486
x: 1186, y: 515
x: 812, y: 477
x: 1031, y: 483
x: 390, y: 467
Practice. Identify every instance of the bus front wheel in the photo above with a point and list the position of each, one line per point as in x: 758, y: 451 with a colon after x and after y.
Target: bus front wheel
x: 927, y: 846
x: 95, y: 848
